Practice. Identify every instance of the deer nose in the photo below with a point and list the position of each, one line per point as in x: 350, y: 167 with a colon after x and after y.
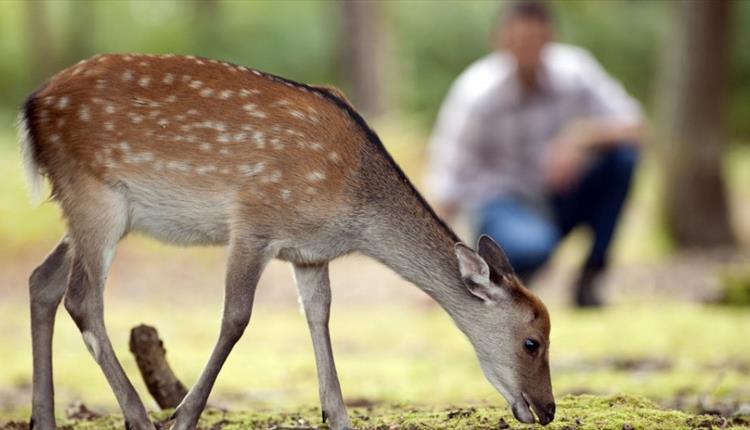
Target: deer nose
x: 548, y: 414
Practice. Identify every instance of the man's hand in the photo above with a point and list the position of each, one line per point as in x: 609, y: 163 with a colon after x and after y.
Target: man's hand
x: 570, y: 149
x: 563, y: 165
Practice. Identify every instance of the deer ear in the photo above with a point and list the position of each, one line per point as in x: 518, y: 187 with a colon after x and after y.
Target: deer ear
x: 476, y: 274
x: 494, y: 255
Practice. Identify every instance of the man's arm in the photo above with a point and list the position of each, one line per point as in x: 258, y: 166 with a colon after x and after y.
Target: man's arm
x: 607, y: 116
x: 576, y: 142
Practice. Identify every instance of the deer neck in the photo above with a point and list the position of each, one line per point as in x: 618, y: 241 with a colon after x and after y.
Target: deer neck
x: 403, y: 232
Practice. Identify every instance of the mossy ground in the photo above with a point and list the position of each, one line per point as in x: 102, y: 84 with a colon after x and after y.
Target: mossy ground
x: 583, y: 412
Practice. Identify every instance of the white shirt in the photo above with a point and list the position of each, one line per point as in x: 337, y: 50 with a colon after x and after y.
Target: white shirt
x: 490, y: 137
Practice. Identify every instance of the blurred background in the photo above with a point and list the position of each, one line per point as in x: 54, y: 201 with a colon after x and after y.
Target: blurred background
x: 679, y: 321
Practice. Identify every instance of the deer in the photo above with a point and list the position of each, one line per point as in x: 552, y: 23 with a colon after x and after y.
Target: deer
x: 193, y: 151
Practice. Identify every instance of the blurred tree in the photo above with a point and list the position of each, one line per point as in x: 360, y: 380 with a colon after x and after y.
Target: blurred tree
x: 694, y: 111
x: 41, y: 45
x: 207, y: 30
x: 81, y: 30
x: 362, y: 58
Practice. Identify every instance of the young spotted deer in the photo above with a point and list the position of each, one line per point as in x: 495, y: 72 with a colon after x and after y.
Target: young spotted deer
x: 193, y: 151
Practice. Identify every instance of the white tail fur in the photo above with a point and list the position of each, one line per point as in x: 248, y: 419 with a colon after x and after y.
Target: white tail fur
x: 34, y: 177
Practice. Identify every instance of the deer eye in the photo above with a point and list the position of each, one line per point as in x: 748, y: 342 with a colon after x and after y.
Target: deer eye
x: 530, y: 345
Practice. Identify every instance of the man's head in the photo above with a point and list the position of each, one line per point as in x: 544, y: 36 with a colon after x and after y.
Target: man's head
x: 524, y: 29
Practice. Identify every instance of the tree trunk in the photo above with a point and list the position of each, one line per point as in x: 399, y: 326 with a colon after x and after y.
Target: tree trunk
x: 362, y: 54
x: 206, y: 33
x: 694, y: 112
x: 80, y: 34
x: 41, y: 48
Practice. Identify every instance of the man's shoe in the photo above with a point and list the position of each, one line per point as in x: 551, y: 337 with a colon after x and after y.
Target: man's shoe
x: 586, y: 294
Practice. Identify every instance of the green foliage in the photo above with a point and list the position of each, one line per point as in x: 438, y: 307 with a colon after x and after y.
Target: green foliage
x: 430, y: 42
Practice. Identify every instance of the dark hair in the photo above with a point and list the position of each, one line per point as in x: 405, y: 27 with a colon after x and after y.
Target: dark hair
x: 526, y: 9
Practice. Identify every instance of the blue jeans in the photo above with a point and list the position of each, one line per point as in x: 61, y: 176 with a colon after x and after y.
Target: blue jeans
x: 529, y: 236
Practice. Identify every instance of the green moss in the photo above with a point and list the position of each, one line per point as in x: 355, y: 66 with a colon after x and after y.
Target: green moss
x: 736, y: 287
x: 584, y: 412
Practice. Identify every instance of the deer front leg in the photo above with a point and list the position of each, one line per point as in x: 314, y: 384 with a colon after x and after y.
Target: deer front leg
x: 84, y: 303
x: 46, y: 288
x: 246, y: 262
x: 315, y: 294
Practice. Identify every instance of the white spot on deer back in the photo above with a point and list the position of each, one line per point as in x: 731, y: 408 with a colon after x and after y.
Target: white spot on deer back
x: 181, y: 166
x: 142, y: 157
x: 84, y: 113
x: 127, y: 75
x: 249, y: 92
x: 203, y: 170
x: 251, y: 169
x: 276, y: 144
x: 144, y: 81
x: 259, y: 138
x: 196, y: 84
x: 315, y: 176
x: 63, y: 102
x: 206, y: 92
x: 334, y: 156
x: 168, y: 79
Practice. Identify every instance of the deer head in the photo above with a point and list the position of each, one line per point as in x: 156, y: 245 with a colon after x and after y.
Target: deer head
x: 509, y: 328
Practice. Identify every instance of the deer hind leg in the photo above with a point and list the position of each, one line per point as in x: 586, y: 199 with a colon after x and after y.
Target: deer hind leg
x: 46, y: 288
x: 96, y: 224
x: 247, y: 258
x: 315, y: 293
